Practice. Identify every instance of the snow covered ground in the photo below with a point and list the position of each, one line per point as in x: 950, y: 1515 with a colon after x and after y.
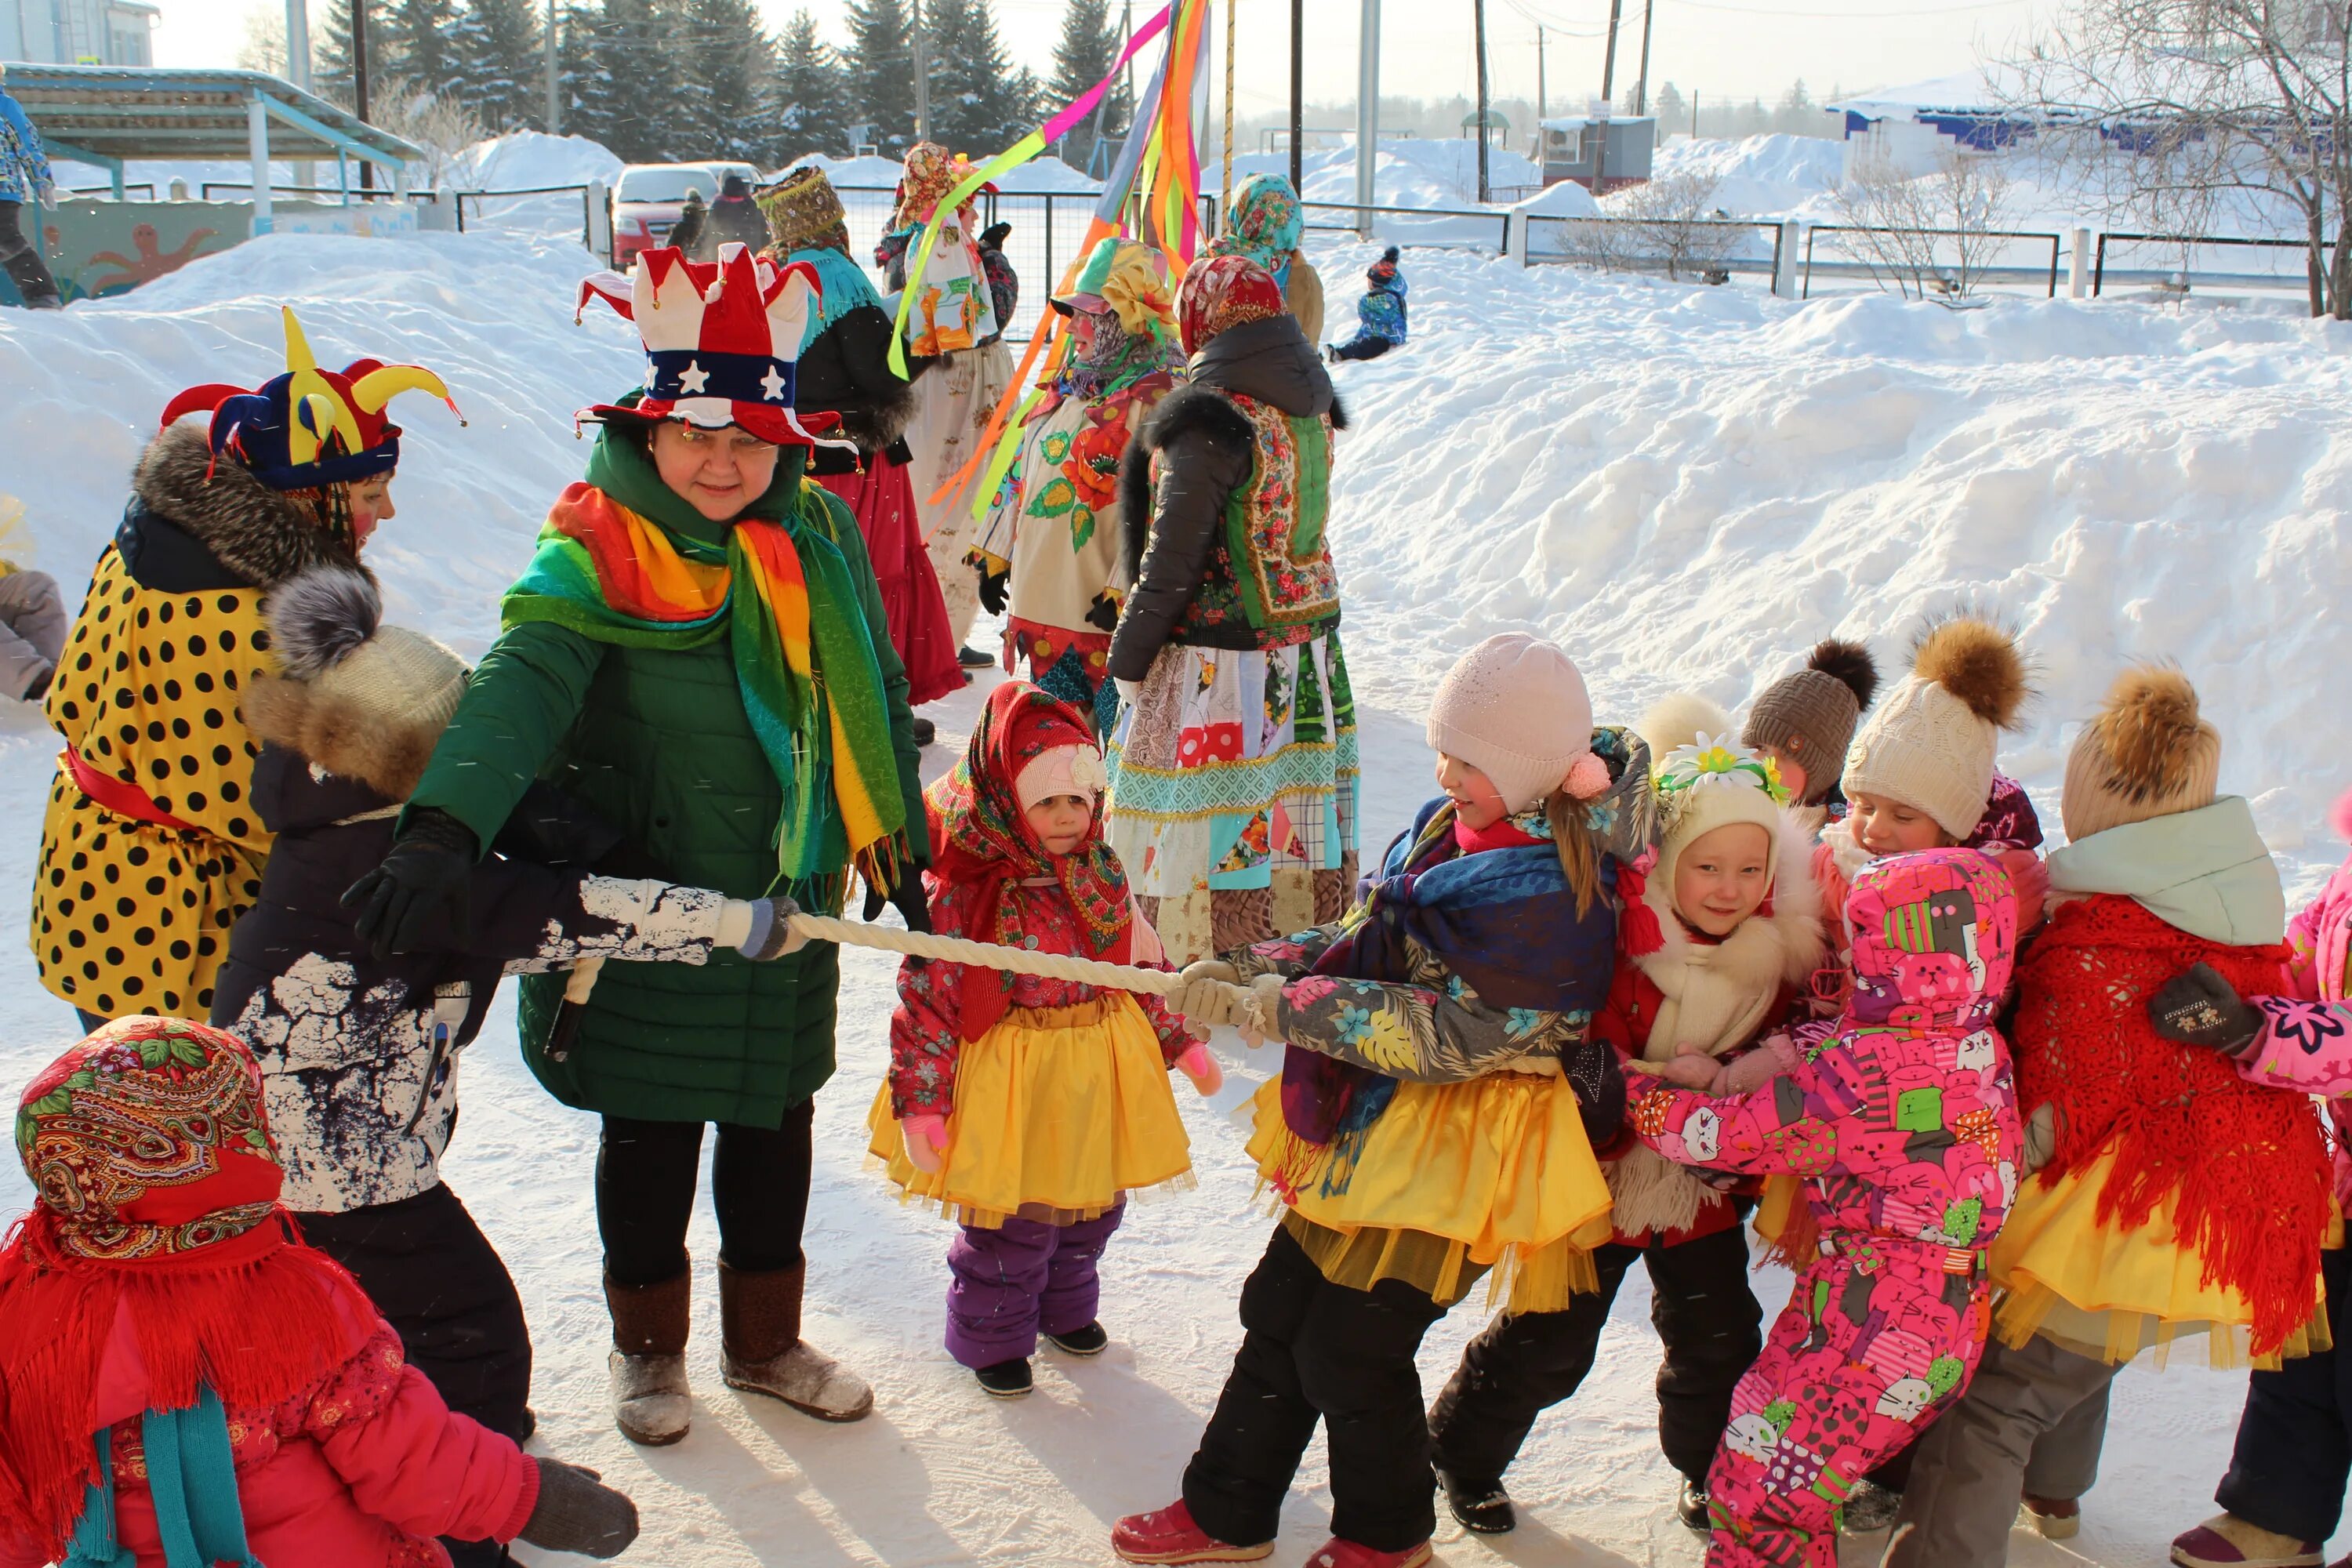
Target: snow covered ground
x: 1685, y: 486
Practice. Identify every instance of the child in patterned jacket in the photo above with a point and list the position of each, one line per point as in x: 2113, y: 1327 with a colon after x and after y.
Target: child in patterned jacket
x: 1029, y: 1107
x: 1902, y: 1127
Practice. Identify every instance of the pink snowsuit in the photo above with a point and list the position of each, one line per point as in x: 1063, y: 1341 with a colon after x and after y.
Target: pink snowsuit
x: 2306, y: 1046
x: 1903, y: 1127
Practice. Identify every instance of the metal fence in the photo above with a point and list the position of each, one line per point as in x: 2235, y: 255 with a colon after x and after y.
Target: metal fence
x: 106, y: 193
x: 1448, y: 228
x: 1916, y: 257
x: 2179, y: 271
x: 556, y: 212
x: 1709, y: 250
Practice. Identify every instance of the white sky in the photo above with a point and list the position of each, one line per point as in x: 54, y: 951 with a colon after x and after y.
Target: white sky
x: 1724, y: 48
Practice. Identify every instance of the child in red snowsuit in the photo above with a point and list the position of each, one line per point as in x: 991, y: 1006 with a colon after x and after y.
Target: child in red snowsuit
x: 1903, y: 1125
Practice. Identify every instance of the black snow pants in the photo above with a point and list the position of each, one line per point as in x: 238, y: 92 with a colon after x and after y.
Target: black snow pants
x: 21, y: 258
x: 1707, y: 1317
x: 2294, y: 1441
x: 646, y: 1174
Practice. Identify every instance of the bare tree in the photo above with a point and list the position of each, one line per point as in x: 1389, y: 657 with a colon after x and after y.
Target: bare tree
x: 263, y: 47
x: 1668, y: 225
x: 439, y: 122
x: 1926, y: 237
x: 2210, y: 97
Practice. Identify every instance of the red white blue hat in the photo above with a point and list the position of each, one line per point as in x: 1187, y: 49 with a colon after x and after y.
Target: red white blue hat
x: 722, y: 340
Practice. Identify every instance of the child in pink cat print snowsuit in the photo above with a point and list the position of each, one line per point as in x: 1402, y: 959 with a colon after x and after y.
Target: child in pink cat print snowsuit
x: 1903, y: 1125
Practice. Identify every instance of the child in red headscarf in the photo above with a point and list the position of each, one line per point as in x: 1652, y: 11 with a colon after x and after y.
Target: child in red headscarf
x: 1029, y: 1107
x: 183, y: 1380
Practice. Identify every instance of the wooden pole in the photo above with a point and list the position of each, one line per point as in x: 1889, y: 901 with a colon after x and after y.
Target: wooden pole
x: 360, y: 83
x: 1297, y: 93
x: 1642, y: 82
x: 1478, y: 17
x: 1607, y: 103
x: 922, y: 77
x: 554, y: 103
x: 1368, y: 114
x: 1225, y: 195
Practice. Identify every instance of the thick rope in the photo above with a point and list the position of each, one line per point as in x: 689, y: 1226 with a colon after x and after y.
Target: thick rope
x: 986, y: 955
x: 1225, y: 197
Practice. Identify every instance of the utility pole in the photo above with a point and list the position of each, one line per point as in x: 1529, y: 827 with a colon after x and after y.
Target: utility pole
x: 554, y: 103
x: 1540, y: 109
x: 360, y: 82
x: 1478, y: 21
x: 1368, y: 114
x: 1608, y: 104
x: 1297, y: 93
x: 922, y: 78
x: 1642, y: 82
x: 298, y: 44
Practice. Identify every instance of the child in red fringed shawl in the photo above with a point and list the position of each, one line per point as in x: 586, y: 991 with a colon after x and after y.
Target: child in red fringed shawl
x: 1030, y: 1108
x: 181, y: 1378
x: 1902, y: 1127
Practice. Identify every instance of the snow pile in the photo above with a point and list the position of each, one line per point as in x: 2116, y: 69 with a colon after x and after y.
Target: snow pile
x: 1765, y: 176
x: 528, y: 160
x: 857, y: 172
x: 1566, y: 199
x: 1408, y: 172
x: 1686, y: 486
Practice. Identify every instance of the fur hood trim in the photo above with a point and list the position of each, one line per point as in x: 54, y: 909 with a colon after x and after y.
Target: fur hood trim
x: 874, y: 422
x: 336, y: 735
x: 1767, y: 952
x: 1186, y: 409
x: 252, y: 529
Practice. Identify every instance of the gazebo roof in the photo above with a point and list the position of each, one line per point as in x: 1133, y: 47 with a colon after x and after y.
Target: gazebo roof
x: 103, y: 114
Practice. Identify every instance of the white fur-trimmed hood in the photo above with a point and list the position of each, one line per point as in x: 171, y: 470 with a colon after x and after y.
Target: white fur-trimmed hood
x: 1736, y: 981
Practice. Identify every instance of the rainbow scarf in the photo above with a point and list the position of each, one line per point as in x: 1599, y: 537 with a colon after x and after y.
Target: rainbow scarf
x: 611, y: 566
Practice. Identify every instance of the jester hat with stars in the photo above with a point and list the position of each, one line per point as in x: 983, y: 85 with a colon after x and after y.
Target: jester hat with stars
x: 722, y: 340
x: 309, y: 428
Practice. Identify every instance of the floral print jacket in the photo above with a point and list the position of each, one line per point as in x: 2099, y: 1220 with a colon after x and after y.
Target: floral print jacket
x: 2305, y: 1044
x: 927, y: 1030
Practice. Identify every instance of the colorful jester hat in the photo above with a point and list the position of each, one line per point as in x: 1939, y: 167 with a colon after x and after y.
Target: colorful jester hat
x: 309, y: 428
x: 722, y: 338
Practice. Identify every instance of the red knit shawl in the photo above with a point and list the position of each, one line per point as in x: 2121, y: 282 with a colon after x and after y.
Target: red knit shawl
x: 2245, y: 1162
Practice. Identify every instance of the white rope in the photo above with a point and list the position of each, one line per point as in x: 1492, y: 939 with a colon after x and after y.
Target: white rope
x: 987, y: 955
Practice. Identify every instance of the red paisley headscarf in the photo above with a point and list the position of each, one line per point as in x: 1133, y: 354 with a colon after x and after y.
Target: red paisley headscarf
x: 981, y: 834
x: 156, y: 1205
x: 1219, y: 295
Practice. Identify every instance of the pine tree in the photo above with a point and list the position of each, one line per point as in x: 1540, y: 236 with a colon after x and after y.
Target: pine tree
x: 1796, y: 113
x: 730, y: 72
x: 1671, y: 110
x: 1090, y: 42
x: 498, y: 49
x: 580, y: 79
x: 979, y: 102
x: 421, y: 35
x: 880, y: 62
x: 811, y: 105
x: 626, y: 81
x: 331, y: 71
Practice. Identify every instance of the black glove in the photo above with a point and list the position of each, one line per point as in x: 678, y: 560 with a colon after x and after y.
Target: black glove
x: 1104, y: 615
x: 913, y: 908
x: 2198, y: 1007
x: 993, y: 236
x: 421, y: 891
x: 576, y: 1511
x: 993, y: 588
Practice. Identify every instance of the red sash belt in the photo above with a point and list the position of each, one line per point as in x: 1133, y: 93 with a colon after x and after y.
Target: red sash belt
x: 122, y: 799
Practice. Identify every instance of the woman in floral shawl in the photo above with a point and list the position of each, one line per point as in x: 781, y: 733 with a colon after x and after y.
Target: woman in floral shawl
x: 1264, y: 223
x: 955, y: 319
x: 1050, y: 548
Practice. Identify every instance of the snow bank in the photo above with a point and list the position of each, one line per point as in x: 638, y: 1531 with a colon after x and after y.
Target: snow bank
x: 1566, y: 199
x: 851, y: 172
x: 1686, y: 486
x: 1765, y: 176
x: 526, y: 160
x: 1409, y: 171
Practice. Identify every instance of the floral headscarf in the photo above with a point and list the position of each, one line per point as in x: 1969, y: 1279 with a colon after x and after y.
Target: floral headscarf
x: 156, y: 1207
x: 1124, y: 288
x: 1222, y: 294
x: 1262, y: 224
x: 929, y: 172
x: 979, y: 834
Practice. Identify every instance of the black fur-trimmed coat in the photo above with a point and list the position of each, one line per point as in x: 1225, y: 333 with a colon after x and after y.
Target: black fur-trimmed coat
x: 846, y: 371
x: 1206, y: 451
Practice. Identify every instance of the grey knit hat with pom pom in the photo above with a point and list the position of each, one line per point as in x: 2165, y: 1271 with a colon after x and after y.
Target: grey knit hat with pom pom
x: 1808, y: 717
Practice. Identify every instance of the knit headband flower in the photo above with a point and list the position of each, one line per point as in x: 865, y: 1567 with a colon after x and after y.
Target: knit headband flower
x: 1717, y: 762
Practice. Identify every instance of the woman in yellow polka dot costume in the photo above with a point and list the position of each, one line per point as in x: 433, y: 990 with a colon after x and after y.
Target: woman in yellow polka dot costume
x: 150, y: 850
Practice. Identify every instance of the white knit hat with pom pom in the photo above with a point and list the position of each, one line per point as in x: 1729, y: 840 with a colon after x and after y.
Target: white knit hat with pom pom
x: 1514, y: 708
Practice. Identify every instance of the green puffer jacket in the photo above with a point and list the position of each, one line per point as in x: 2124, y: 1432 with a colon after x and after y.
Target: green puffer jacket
x: 658, y: 742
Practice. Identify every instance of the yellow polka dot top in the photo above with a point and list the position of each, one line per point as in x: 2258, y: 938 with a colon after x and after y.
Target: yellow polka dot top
x: 131, y: 916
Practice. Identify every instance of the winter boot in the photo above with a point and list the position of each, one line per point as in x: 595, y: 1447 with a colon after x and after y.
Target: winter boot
x: 1006, y: 1379
x: 1482, y: 1506
x: 1690, y: 1505
x: 2225, y: 1541
x: 1337, y: 1553
x: 1169, y: 1535
x: 1089, y: 1341
x: 1869, y: 1507
x: 651, y: 1401
x: 761, y: 1350
x: 2053, y: 1518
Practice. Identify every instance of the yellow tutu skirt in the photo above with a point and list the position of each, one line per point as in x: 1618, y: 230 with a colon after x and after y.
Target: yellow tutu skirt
x: 2111, y: 1294
x: 1455, y: 1180
x: 1059, y: 1114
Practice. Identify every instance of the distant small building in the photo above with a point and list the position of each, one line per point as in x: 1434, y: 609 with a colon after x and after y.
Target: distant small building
x: 1567, y: 145
x: 1498, y: 126
x: 1910, y: 128
x: 78, y: 32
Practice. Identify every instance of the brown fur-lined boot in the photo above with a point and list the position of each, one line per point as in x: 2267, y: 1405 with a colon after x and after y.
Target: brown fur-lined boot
x: 651, y: 1401
x: 761, y: 1350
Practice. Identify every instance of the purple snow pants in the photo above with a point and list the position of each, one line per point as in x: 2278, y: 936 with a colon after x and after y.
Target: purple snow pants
x: 1019, y: 1278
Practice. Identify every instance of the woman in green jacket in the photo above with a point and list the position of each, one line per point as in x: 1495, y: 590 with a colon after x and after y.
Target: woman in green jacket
x: 697, y: 652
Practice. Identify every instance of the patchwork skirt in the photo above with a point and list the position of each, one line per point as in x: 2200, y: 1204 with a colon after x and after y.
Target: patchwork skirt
x: 1234, y: 793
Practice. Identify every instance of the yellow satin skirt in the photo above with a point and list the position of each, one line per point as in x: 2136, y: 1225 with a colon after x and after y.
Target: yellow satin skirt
x: 1059, y: 1114
x: 2110, y: 1294
x: 1492, y: 1176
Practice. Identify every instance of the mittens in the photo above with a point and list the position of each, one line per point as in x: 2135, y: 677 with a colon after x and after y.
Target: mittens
x: 927, y: 1140
x: 771, y: 934
x: 1204, y: 993
x: 2198, y: 1007
x: 1260, y: 1010
x: 577, y: 1513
